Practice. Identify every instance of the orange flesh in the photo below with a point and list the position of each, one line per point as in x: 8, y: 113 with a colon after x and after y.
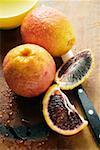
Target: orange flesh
x: 61, y: 112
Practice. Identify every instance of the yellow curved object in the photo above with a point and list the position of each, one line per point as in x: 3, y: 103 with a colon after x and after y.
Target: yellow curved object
x: 12, y: 12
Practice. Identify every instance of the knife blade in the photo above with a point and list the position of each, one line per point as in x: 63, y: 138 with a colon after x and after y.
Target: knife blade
x: 90, y: 112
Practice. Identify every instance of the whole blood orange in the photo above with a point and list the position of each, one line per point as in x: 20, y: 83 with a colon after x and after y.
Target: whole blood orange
x: 29, y: 70
x: 48, y: 28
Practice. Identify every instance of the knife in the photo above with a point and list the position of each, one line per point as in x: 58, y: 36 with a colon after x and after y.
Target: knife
x: 90, y: 112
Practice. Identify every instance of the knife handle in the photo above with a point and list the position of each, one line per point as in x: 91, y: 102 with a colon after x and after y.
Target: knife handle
x: 90, y: 113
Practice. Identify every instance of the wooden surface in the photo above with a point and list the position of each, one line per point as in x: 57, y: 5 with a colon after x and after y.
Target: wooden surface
x: 84, y: 16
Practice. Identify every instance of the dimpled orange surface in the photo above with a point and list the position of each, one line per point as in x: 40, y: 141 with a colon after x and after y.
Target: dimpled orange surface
x: 49, y: 28
x: 84, y: 16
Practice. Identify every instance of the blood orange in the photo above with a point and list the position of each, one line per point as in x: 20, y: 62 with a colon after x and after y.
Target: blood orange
x: 48, y: 28
x: 76, y: 70
x: 60, y: 114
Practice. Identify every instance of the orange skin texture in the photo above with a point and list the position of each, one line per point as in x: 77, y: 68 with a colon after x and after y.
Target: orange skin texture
x: 48, y: 28
x: 29, y: 70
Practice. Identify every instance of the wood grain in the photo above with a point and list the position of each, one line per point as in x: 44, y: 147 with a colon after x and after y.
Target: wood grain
x: 85, y: 18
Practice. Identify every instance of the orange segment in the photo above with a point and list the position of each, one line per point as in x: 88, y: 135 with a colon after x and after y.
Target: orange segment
x: 60, y: 115
x: 75, y: 71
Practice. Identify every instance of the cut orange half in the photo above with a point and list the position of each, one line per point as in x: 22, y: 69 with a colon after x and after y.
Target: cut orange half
x: 75, y: 71
x: 60, y: 115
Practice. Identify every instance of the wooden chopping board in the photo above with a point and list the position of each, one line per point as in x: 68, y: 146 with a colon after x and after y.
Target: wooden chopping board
x: 84, y: 16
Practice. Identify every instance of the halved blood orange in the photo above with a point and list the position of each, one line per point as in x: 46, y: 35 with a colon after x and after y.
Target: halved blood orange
x: 75, y: 71
x: 60, y: 115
